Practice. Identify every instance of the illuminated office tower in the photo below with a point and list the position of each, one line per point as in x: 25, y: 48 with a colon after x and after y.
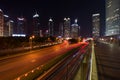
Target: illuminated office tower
x: 1, y: 23
x: 11, y: 26
x: 61, y: 29
x: 96, y: 25
x: 21, y: 25
x: 50, y: 26
x: 36, y: 25
x: 41, y: 33
x: 6, y: 25
x: 66, y: 27
x: 112, y: 17
x: 75, y: 30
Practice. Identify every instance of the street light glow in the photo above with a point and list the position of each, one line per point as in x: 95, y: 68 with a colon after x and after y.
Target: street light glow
x: 111, y: 38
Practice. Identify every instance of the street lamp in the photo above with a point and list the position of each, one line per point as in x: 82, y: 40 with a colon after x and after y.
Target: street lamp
x: 30, y: 41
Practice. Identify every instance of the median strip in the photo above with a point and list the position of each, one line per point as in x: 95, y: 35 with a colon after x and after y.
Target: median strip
x: 93, y: 67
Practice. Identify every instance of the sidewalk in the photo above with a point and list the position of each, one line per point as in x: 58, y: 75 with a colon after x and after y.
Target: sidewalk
x: 108, y: 61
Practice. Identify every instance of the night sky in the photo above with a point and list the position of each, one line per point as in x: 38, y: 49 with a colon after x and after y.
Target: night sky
x: 80, y: 9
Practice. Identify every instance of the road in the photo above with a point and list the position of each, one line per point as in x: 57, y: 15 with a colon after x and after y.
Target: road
x: 108, y: 61
x: 66, y: 69
x: 11, y: 68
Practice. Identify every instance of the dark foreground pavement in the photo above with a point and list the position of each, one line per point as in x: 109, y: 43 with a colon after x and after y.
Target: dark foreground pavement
x: 108, y: 61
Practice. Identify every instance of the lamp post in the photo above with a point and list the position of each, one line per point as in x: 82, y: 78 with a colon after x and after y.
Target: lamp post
x: 30, y: 41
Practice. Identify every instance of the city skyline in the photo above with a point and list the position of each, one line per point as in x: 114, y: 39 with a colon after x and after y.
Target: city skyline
x: 57, y: 10
x: 59, y: 39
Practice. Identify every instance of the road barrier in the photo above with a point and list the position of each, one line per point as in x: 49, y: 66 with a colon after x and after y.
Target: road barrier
x: 93, y: 75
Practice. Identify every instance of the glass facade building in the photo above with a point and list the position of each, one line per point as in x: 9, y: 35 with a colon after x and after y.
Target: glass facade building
x: 112, y: 17
x: 50, y: 25
x: 21, y: 26
x: 66, y: 27
x: 96, y: 25
x: 75, y: 30
x: 36, y: 25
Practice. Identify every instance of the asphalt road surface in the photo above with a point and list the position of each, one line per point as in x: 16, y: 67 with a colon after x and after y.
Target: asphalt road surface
x: 11, y: 68
x: 108, y: 61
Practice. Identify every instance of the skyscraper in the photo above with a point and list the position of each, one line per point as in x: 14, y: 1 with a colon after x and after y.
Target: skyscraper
x: 75, y: 30
x: 36, y: 25
x: 66, y: 27
x: 61, y: 29
x: 21, y: 25
x: 6, y: 25
x: 11, y: 25
x: 96, y: 25
x: 112, y: 17
x: 1, y: 23
x: 50, y: 26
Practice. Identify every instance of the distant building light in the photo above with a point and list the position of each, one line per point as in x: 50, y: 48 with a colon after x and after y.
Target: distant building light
x: 68, y: 18
x: 6, y: 16
x: 59, y: 36
x: 1, y: 10
x: 21, y: 19
x: 36, y: 15
x: 47, y: 31
x: 96, y: 14
x: 65, y: 19
x: 50, y: 20
x: 18, y: 35
x: 11, y: 21
x: 74, y: 25
x: 67, y: 38
x: 76, y: 20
